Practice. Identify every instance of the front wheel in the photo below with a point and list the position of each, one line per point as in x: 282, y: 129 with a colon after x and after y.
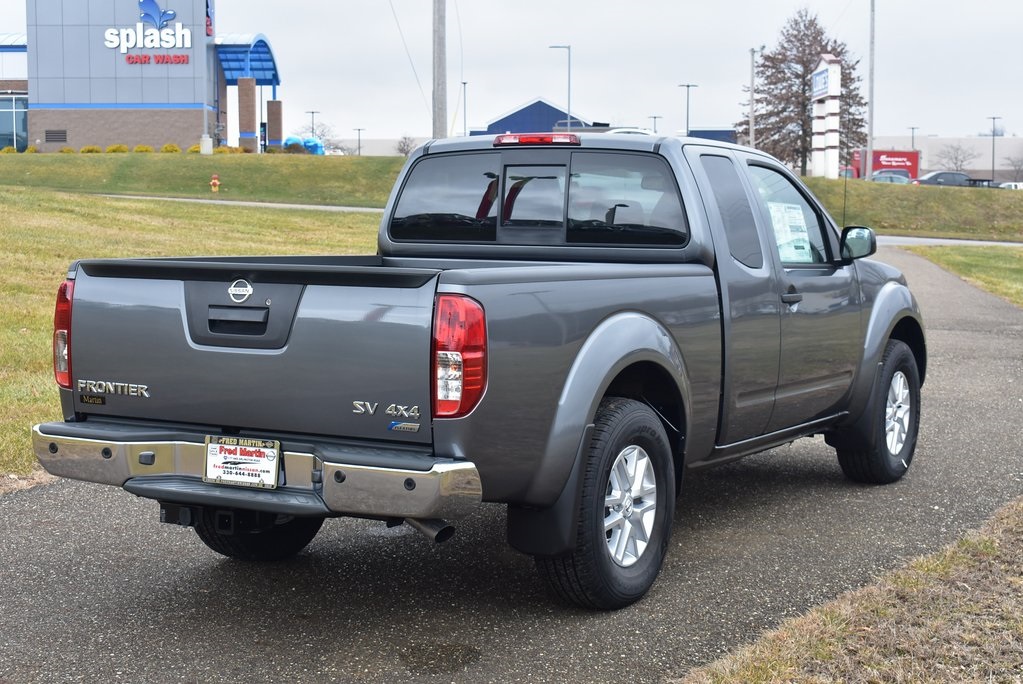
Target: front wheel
x: 252, y: 536
x: 883, y: 454
x: 625, y: 511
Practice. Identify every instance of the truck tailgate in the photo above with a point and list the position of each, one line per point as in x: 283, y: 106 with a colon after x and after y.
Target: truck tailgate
x: 258, y: 344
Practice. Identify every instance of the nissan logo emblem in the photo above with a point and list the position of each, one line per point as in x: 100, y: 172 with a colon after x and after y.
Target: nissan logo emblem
x: 240, y: 290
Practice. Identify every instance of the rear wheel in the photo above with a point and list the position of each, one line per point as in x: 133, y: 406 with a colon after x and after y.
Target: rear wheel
x: 883, y: 452
x: 625, y: 513
x: 255, y: 536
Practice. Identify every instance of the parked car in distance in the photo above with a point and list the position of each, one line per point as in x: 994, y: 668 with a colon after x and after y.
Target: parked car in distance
x: 955, y: 178
x: 1011, y: 186
x: 631, y: 131
x: 891, y: 178
x: 901, y: 173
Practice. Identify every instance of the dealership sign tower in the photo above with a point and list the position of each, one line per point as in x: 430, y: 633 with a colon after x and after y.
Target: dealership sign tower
x: 827, y: 90
x: 150, y: 72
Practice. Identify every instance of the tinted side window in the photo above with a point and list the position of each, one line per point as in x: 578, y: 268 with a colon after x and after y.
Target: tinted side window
x: 624, y: 199
x: 449, y: 198
x: 736, y: 214
x: 796, y: 227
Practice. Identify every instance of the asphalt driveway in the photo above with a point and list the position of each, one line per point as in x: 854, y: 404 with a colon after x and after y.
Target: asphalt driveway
x: 94, y: 588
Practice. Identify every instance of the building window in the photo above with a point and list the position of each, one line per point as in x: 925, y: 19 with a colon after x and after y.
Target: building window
x: 14, y: 122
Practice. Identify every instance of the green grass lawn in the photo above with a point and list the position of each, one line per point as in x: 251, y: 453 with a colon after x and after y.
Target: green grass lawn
x: 300, y: 179
x: 42, y: 232
x: 925, y: 211
x: 998, y: 270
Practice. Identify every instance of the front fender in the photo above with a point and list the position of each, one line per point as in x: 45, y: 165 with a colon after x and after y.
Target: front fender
x: 894, y: 307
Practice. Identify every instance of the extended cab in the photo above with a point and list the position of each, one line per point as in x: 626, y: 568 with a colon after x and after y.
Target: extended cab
x: 561, y: 323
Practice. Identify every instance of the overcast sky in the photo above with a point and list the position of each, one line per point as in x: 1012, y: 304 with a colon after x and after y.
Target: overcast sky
x: 942, y: 65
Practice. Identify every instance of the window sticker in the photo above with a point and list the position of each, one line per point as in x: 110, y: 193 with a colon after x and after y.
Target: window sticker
x: 790, y: 233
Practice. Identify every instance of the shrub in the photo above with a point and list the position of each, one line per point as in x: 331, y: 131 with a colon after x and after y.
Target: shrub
x: 222, y: 150
x: 117, y: 149
x: 67, y: 150
x: 91, y: 149
x: 194, y: 149
x: 9, y: 150
x: 31, y: 149
x: 296, y: 148
x: 171, y: 148
x: 142, y: 148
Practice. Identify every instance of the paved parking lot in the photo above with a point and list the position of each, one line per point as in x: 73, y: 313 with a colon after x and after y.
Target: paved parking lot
x: 94, y: 588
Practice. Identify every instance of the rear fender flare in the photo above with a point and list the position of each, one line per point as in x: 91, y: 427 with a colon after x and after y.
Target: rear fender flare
x: 616, y: 344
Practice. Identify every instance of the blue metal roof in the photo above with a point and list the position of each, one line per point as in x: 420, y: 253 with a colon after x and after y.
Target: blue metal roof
x: 13, y: 42
x: 247, y: 55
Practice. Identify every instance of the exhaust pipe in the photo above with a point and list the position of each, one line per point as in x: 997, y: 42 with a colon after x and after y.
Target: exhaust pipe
x: 434, y: 529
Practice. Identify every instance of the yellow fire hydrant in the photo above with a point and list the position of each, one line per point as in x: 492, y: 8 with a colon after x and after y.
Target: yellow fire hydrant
x: 215, y: 183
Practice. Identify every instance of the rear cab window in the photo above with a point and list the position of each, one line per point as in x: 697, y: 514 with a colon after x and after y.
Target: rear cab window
x: 581, y: 198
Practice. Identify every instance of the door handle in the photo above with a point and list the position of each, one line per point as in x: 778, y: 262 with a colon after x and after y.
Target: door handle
x: 792, y: 296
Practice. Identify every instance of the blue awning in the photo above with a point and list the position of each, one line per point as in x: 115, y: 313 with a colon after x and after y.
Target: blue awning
x: 13, y: 42
x: 247, y: 55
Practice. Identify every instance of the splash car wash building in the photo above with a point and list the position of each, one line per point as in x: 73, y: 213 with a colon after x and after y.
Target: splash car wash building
x: 150, y: 72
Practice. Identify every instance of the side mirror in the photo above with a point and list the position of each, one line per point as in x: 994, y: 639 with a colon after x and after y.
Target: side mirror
x: 857, y: 242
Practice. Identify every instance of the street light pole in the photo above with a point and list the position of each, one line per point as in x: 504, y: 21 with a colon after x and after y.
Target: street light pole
x: 687, y: 86
x: 752, y: 95
x: 312, y: 123
x: 912, y: 137
x: 568, y: 123
x: 465, y: 110
x: 654, y: 118
x: 993, y: 119
x: 358, y: 144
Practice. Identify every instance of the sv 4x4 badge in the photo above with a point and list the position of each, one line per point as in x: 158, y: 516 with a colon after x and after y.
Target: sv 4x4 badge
x: 369, y: 408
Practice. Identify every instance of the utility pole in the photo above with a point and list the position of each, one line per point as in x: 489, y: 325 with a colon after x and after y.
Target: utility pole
x: 752, y: 95
x: 868, y: 163
x: 312, y: 123
x: 912, y: 137
x: 993, y: 120
x: 465, y: 109
x: 440, y: 68
x: 654, y: 118
x: 358, y: 144
x: 687, y: 86
x: 568, y: 122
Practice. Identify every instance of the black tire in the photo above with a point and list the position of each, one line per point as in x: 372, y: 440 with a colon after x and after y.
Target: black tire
x: 590, y: 576
x: 883, y: 450
x: 262, y: 537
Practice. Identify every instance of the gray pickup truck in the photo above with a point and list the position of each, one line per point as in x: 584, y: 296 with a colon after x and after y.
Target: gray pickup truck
x: 561, y: 323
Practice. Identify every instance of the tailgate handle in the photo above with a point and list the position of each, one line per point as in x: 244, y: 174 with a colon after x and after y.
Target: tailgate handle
x: 239, y: 314
x: 238, y: 320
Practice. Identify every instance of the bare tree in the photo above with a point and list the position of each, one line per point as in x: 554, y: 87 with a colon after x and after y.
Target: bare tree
x: 956, y: 157
x: 784, y: 106
x: 405, y: 145
x: 1015, y: 163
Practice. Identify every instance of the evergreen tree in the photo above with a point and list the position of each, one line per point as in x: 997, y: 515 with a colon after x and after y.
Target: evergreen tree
x: 783, y: 106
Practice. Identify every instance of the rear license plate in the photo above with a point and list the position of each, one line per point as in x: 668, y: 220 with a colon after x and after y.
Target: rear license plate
x: 242, y: 461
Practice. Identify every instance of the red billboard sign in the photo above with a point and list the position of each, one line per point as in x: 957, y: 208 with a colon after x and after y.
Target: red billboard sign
x: 907, y: 160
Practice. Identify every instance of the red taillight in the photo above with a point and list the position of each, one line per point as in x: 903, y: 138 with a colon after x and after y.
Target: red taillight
x: 459, y: 356
x: 536, y: 139
x: 62, y: 334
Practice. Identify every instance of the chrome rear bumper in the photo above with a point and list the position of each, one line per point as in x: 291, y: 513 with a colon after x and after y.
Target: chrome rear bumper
x: 172, y: 471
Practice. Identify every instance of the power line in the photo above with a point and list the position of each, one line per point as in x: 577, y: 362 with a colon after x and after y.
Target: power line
x: 409, y: 55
